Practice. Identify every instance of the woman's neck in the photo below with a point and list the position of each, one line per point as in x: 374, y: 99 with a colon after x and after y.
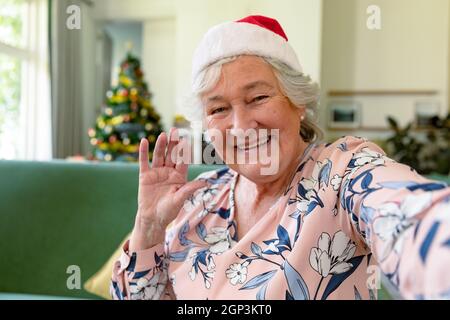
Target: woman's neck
x: 260, y: 192
x: 254, y: 200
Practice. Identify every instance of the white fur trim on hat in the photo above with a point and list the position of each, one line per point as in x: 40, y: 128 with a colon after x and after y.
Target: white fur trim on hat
x: 239, y: 38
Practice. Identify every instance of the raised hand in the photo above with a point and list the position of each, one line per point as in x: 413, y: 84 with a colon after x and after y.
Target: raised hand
x: 163, y: 188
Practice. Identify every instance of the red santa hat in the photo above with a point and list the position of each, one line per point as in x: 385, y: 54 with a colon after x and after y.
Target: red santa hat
x: 252, y: 35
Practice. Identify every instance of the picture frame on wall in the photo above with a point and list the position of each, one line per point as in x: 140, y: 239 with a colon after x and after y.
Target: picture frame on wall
x: 425, y: 111
x: 344, y: 114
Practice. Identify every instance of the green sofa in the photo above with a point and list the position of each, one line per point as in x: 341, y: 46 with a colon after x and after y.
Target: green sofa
x: 57, y: 214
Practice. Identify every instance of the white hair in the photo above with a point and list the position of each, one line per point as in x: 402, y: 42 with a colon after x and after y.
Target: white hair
x: 298, y: 88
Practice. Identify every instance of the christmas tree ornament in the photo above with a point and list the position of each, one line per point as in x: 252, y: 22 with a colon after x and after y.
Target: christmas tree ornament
x: 91, y: 132
x: 108, y: 111
x: 144, y: 112
x: 101, y: 124
x: 123, y: 92
x: 108, y: 129
x: 104, y: 146
x: 117, y: 120
x: 112, y: 139
x: 152, y: 139
x: 127, y: 82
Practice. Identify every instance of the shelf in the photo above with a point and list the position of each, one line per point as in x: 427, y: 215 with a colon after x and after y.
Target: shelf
x: 360, y: 129
x: 378, y: 129
x: 346, y: 93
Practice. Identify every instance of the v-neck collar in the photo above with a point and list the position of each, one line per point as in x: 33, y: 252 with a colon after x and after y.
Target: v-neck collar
x: 232, y: 195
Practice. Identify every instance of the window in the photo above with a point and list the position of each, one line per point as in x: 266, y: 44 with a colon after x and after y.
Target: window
x: 12, y: 20
x: 24, y: 80
x: 10, y: 81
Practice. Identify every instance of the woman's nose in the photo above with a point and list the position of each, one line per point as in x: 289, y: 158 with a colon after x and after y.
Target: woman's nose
x: 243, y: 120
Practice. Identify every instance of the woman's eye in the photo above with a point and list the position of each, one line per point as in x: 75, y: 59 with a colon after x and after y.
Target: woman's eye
x: 218, y: 110
x: 260, y: 98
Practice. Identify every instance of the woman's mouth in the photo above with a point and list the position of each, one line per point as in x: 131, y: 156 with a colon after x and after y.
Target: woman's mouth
x: 254, y: 145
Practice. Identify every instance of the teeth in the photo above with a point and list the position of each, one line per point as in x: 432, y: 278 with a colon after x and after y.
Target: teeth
x: 253, y: 145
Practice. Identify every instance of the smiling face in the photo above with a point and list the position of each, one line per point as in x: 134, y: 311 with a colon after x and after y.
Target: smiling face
x: 248, y: 98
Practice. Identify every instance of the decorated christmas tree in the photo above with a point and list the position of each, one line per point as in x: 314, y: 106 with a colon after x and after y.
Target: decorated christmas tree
x: 126, y: 118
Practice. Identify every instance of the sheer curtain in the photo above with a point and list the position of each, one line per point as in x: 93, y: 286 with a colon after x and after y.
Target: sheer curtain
x: 35, y: 115
x: 25, y: 126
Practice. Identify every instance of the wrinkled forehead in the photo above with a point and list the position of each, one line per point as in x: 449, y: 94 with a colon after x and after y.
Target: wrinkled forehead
x: 242, y: 75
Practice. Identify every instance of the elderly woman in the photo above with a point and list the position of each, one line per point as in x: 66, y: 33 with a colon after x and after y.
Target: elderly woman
x: 323, y: 225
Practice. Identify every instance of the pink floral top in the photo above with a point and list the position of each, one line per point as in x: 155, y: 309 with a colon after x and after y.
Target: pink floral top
x: 348, y: 214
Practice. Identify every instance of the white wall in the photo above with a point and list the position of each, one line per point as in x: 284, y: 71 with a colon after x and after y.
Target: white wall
x: 158, y: 65
x: 406, y: 53
x: 448, y: 61
x: 136, y: 10
x: 193, y: 19
x: 410, y: 52
x: 302, y: 22
x: 126, y: 36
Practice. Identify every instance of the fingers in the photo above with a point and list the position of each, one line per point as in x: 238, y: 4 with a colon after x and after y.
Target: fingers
x: 143, y: 156
x: 159, y: 151
x: 173, y: 141
x: 187, y: 190
x: 166, y: 150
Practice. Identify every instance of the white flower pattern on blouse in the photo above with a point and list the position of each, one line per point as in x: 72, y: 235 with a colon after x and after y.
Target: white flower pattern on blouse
x: 395, y: 221
x: 331, y: 255
x: 237, y: 272
x: 149, y: 289
x: 219, y: 240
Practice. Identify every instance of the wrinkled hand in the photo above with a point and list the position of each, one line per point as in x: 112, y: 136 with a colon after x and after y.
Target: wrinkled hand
x: 163, y: 188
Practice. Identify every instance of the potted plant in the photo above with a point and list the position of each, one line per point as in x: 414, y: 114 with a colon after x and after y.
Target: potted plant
x: 426, y: 150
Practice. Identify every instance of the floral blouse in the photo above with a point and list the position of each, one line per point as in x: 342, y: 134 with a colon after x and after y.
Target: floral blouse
x: 349, y: 214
